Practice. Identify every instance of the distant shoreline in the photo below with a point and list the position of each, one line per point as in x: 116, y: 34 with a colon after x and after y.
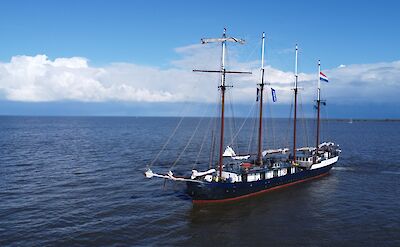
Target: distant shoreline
x: 122, y: 116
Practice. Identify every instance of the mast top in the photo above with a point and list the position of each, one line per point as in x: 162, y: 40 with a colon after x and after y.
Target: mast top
x: 295, y: 68
x: 213, y: 40
x: 262, y: 51
x: 223, y: 39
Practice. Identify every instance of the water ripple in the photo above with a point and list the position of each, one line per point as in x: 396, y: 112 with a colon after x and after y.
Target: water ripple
x: 79, y: 182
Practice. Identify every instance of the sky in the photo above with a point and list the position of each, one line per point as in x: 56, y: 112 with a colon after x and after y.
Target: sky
x: 136, y: 57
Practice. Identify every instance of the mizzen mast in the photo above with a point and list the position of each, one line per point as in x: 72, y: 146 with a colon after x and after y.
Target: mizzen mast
x: 296, y: 76
x: 261, y: 88
x: 318, y: 110
x: 222, y: 86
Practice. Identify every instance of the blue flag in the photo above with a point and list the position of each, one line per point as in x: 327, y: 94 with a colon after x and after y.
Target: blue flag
x: 273, y: 94
x: 258, y: 91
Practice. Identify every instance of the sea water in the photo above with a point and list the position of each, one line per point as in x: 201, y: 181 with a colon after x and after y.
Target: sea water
x: 78, y: 181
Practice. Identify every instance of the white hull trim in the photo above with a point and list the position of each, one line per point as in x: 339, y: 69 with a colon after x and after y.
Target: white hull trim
x: 325, y: 163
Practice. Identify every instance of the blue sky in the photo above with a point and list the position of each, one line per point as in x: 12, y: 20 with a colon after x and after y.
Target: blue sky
x: 149, y: 34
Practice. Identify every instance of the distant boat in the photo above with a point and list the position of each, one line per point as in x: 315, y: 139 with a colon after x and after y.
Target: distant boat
x: 238, y: 176
x: 350, y: 121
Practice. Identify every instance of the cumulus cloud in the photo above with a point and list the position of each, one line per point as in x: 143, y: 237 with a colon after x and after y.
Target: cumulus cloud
x: 40, y: 79
x: 37, y: 78
x: 374, y: 83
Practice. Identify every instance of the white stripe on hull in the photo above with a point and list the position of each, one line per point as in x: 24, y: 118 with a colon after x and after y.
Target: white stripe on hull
x: 325, y: 163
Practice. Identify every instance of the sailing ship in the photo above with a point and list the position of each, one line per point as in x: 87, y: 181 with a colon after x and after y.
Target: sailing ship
x: 239, y: 176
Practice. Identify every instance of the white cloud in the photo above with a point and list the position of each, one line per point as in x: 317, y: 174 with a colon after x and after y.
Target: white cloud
x: 37, y: 78
x: 378, y: 83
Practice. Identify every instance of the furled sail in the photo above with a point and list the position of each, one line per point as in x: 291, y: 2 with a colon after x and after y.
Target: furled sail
x: 230, y: 153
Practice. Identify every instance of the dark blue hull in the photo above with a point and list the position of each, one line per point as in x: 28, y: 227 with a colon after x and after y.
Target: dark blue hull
x: 209, y: 192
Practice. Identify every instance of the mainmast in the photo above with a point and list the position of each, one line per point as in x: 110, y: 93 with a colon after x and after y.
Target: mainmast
x: 296, y: 76
x: 261, y: 85
x: 222, y: 86
x: 318, y: 110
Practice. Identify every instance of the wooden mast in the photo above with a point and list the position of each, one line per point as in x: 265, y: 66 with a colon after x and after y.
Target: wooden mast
x: 318, y: 111
x: 295, y: 107
x: 259, y: 153
x: 222, y: 87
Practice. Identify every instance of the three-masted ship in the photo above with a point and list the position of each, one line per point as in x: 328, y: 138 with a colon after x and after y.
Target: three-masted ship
x: 236, y: 176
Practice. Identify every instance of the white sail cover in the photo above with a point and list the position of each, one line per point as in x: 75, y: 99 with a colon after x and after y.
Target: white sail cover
x: 196, y: 173
x: 230, y: 153
x: 275, y: 151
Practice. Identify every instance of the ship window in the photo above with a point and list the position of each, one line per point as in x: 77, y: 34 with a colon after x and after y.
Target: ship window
x: 244, y: 177
x: 275, y: 173
x: 262, y: 175
x: 288, y: 171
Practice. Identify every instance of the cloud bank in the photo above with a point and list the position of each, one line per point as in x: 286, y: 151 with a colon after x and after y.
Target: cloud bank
x: 40, y: 79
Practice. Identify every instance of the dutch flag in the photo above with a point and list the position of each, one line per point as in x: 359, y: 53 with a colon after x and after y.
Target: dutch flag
x: 323, y: 77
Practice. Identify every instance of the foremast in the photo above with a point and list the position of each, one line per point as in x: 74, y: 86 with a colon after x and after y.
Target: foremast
x: 222, y: 87
x: 261, y: 88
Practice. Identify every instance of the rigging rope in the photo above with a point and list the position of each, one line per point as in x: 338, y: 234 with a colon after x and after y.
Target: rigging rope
x: 252, y: 131
x: 202, y: 143
x: 213, y: 130
x: 234, y: 144
x: 168, y: 140
x: 314, y: 123
x: 212, y: 148
x: 289, y: 129
x: 189, y: 141
x: 182, y: 114
x: 325, y: 126
x: 304, y: 122
x: 244, y: 122
x: 272, y: 122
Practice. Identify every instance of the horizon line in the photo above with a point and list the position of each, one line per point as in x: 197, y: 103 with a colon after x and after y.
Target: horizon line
x: 188, y: 116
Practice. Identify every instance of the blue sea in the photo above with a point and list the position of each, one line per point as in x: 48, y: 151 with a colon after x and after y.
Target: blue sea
x: 78, y: 181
